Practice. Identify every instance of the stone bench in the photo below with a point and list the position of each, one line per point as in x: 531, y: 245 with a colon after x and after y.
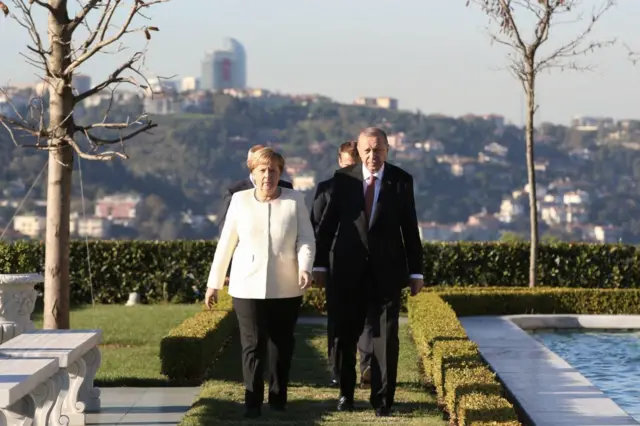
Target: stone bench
x: 78, y: 358
x: 29, y: 388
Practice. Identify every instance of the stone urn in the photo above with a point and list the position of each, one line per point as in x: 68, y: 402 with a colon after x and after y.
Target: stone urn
x: 17, y: 300
x: 134, y: 299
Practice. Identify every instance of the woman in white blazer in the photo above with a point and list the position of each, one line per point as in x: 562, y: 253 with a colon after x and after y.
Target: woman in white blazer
x: 268, y: 234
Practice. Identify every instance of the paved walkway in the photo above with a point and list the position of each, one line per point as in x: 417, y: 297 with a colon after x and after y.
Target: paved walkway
x: 143, y: 406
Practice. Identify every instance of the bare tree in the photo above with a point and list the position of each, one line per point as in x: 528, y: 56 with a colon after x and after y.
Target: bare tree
x: 527, y: 60
x: 97, y: 27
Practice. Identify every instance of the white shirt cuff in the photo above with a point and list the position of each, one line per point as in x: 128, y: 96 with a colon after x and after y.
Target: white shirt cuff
x: 319, y: 269
x: 416, y: 277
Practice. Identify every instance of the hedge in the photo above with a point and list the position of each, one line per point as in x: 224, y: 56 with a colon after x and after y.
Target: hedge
x: 177, y: 270
x: 464, y: 384
x: 190, y: 349
x: 516, y: 301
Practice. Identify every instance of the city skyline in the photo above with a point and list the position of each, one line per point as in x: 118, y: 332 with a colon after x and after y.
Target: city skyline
x: 444, y: 55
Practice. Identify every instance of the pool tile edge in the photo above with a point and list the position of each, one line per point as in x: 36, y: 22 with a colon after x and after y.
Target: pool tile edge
x: 547, y: 389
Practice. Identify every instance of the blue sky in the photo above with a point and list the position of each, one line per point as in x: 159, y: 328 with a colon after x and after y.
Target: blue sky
x: 432, y: 55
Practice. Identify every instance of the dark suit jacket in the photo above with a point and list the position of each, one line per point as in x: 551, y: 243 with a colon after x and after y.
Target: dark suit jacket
x: 320, y: 201
x: 238, y: 186
x: 390, y: 249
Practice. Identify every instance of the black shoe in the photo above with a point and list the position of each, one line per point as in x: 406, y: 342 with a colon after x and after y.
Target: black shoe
x: 365, y: 378
x: 345, y: 404
x: 383, y: 412
x: 252, y: 412
x: 334, y: 383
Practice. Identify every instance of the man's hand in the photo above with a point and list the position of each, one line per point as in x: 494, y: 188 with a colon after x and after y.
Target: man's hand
x: 320, y: 278
x: 416, y: 285
x: 305, y: 280
x: 211, y: 297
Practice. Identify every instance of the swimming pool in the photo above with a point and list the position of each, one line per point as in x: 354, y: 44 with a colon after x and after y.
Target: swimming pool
x: 610, y: 360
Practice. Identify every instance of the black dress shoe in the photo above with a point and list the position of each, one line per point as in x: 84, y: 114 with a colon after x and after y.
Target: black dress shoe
x: 383, y: 412
x: 345, y: 404
x: 252, y: 412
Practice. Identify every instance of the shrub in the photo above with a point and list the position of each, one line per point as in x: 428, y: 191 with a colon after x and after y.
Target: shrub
x: 515, y: 301
x: 465, y: 385
x: 190, y: 349
x: 177, y: 270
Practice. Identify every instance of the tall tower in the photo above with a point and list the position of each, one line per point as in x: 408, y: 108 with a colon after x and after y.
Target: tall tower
x: 207, y: 77
x: 230, y: 66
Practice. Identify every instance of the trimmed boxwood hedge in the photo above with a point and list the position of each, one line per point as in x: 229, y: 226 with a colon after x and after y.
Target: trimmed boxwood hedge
x: 464, y: 384
x: 190, y: 349
x: 177, y: 270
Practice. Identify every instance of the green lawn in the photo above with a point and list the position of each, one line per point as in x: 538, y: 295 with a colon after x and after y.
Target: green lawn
x: 310, y: 401
x: 131, y: 339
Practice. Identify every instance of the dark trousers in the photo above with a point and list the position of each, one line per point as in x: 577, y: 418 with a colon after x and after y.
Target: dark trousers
x: 358, y: 305
x: 266, y: 332
x: 365, y: 342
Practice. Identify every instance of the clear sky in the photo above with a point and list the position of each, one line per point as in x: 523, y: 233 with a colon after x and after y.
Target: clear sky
x: 432, y: 55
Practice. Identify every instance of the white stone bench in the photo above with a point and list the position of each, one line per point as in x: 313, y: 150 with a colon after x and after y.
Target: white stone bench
x: 78, y: 357
x: 29, y: 388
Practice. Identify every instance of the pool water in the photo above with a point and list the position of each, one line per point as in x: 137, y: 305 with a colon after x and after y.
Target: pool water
x: 611, y: 361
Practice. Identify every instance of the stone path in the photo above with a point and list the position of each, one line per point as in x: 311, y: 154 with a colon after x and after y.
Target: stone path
x: 143, y: 406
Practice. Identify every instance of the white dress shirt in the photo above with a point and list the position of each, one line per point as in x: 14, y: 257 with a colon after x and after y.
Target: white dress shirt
x: 270, y: 242
x: 366, y: 175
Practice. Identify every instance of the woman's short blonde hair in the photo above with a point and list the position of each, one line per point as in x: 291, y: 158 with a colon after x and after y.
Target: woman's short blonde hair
x: 266, y: 156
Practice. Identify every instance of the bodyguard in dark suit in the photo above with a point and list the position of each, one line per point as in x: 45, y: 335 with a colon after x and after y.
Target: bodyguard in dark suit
x: 242, y: 185
x: 347, y: 156
x: 377, y: 252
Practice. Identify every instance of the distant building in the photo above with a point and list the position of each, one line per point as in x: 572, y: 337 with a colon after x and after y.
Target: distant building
x: 30, y: 225
x: 304, y: 183
x: 189, y: 84
x: 161, y: 105
x: 225, y: 68
x: 81, y: 83
x: 121, y: 209
x: 384, y: 102
x: 91, y: 227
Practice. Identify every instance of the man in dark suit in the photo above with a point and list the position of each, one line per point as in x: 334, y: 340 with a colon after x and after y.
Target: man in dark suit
x: 377, y: 252
x: 242, y: 185
x: 347, y: 156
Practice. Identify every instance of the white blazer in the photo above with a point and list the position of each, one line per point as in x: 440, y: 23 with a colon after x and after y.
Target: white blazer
x: 269, y: 241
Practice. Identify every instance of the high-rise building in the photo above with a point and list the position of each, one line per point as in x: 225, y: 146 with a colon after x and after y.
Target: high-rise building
x: 225, y: 68
x: 80, y: 83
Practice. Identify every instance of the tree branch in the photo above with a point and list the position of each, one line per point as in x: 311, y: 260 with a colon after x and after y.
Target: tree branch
x: 82, y: 14
x: 100, y: 141
x: 114, y: 78
x: 90, y: 51
x: 504, y: 13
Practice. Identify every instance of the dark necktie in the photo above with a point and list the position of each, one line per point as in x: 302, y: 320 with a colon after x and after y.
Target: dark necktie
x: 369, y: 194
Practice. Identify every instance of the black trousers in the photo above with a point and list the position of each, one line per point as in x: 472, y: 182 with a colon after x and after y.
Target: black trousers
x: 266, y: 332
x: 365, y: 342
x: 358, y: 305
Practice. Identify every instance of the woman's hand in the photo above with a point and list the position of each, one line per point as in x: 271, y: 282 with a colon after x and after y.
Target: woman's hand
x: 305, y: 280
x: 211, y: 297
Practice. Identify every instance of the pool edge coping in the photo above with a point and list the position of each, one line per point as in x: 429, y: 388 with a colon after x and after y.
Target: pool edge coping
x: 509, y: 349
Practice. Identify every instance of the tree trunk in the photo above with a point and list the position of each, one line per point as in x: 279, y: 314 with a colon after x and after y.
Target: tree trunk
x: 61, y: 126
x: 531, y: 174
